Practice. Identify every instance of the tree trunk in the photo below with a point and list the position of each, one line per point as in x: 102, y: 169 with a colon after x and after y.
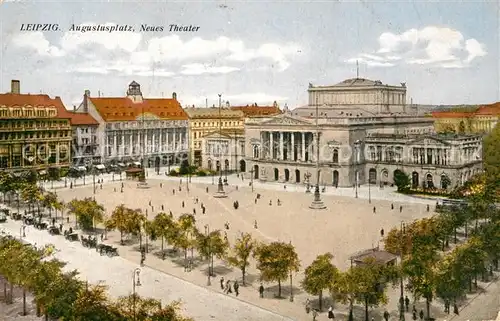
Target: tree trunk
x: 24, y: 302
x: 212, y: 265
x: 162, y: 251
x: 320, y: 299
x: 121, y: 237
x: 185, y: 258
x: 279, y: 288
x: 351, y: 307
x: 243, y: 274
x: 38, y: 310
x: 475, y: 281
x: 470, y: 284
x: 366, y: 309
x: 50, y: 212
x: 428, y: 308
x: 11, y: 294
x: 5, y: 290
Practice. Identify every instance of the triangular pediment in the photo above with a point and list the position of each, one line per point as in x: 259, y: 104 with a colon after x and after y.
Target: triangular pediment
x: 284, y: 119
x: 428, y: 140
x: 216, y: 134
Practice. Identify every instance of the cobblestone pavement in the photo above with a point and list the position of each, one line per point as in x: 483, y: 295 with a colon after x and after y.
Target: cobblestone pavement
x: 347, y: 226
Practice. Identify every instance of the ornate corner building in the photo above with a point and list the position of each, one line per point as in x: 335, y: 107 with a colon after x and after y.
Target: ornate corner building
x: 366, y: 133
x: 131, y: 128
x: 35, y: 131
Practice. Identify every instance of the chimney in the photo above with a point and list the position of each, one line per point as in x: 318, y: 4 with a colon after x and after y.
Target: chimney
x: 275, y: 104
x: 85, y: 101
x: 227, y: 104
x: 15, y: 87
x: 74, y: 108
x: 174, y: 95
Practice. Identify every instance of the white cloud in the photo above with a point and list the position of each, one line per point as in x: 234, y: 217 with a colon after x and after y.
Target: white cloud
x: 431, y: 46
x: 36, y: 40
x: 199, y: 69
x: 127, y: 52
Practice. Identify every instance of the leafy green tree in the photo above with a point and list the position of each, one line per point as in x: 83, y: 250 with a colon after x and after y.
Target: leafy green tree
x: 164, y: 226
x: 276, y: 261
x: 186, y: 236
x: 241, y: 253
x: 184, y: 168
x: 319, y: 276
x: 491, y: 159
x: 345, y: 289
x: 88, y: 212
x: 49, y: 201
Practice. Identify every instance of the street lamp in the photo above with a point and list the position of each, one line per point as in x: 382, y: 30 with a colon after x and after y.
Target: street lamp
x: 207, y: 233
x: 136, y: 281
x: 401, y: 298
x: 356, y: 174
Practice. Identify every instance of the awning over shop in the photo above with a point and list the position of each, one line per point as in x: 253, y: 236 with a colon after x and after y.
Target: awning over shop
x: 81, y: 168
x: 137, y: 163
x: 100, y: 166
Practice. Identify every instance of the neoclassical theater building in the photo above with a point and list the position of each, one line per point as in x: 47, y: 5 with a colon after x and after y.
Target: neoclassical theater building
x: 366, y: 132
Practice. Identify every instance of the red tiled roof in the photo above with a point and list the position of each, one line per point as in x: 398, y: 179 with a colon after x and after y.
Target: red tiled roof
x: 27, y: 100
x: 82, y: 119
x: 124, y: 109
x: 255, y: 111
x: 451, y: 114
x: 492, y: 109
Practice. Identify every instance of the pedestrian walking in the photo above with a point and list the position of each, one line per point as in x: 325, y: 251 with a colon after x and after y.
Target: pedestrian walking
x: 330, y: 313
x: 182, y: 204
x: 315, y: 314
x: 427, y: 207
x: 407, y: 303
x: 261, y: 291
x: 255, y: 224
x: 203, y: 210
x: 447, y: 306
x: 421, y: 314
x: 236, y: 288
x: 400, y: 208
x: 392, y: 206
x: 222, y: 283
x: 455, y: 309
x: 206, y: 189
x: 308, y: 306
x: 374, y: 210
x: 228, y: 287
x: 255, y: 201
x: 386, y: 315
x: 270, y: 202
x: 382, y: 232
x: 162, y: 208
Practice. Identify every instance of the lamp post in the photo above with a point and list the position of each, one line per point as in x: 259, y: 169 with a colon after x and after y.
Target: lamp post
x: 251, y: 177
x: 317, y: 203
x: 401, y: 298
x: 356, y: 174
x: 207, y: 233
x: 220, y: 186
x: 136, y: 281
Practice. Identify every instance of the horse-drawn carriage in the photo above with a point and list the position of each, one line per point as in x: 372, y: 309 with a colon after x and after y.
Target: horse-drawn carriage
x: 107, y: 249
x: 40, y: 225
x: 71, y: 236
x: 89, y: 241
x: 54, y: 230
x: 16, y: 216
x: 29, y: 220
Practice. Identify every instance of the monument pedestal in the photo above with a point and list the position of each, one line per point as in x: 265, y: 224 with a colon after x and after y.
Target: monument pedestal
x: 317, y: 203
x: 143, y: 185
x: 220, y: 190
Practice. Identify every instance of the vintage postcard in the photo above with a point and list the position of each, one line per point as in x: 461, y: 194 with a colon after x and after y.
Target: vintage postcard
x: 249, y: 160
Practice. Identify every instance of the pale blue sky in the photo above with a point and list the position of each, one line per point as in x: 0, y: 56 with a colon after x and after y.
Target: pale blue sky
x: 446, y: 52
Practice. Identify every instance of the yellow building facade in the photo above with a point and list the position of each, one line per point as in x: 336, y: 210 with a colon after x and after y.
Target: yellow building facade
x: 204, y: 121
x: 35, y: 131
x: 471, y: 120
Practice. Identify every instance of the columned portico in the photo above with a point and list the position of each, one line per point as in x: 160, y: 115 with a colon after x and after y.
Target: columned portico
x: 292, y: 146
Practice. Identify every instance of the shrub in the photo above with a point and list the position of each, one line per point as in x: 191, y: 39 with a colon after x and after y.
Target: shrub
x: 173, y: 172
x: 201, y: 173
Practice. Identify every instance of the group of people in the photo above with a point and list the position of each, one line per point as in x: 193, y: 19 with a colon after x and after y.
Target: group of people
x: 227, y: 287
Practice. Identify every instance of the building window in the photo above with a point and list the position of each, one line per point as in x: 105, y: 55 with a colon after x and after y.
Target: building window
x: 335, y: 156
x: 256, y: 152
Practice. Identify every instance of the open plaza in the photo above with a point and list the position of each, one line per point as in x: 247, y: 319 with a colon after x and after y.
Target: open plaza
x: 348, y: 225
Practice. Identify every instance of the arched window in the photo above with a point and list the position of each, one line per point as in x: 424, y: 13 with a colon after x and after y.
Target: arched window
x: 256, y: 153
x: 335, y: 156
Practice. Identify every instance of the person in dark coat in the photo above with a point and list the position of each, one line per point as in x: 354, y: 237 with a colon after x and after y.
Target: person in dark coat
x: 386, y: 315
x: 455, y: 309
x: 222, y: 283
x: 261, y: 290
x: 407, y: 303
x: 421, y: 314
x: 236, y: 288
